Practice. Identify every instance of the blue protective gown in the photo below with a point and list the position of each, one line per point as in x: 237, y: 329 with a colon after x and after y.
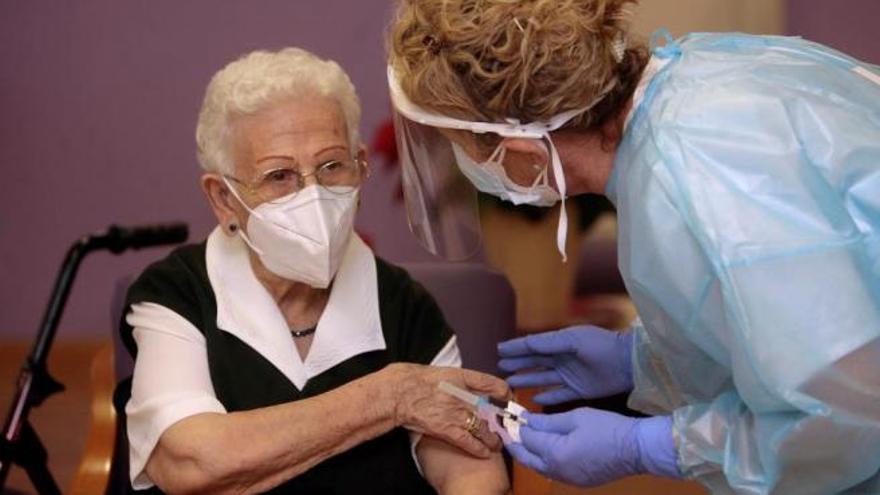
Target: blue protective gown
x: 748, y: 192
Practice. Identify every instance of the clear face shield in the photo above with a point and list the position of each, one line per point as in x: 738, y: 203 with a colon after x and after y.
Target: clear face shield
x: 446, y: 161
x: 441, y: 204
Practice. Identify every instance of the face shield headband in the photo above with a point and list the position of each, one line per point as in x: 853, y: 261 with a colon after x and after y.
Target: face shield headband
x: 425, y: 153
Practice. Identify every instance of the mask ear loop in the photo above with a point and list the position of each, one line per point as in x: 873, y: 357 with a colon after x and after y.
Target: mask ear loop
x: 236, y: 196
x: 240, y: 231
x: 543, y: 178
x: 498, y: 154
x: 497, y: 161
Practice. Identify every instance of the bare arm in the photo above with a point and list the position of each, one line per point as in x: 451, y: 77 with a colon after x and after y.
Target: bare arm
x: 253, y: 451
x: 450, y: 470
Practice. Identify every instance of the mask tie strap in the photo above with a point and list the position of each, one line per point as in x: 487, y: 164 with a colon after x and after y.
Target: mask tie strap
x: 562, y: 227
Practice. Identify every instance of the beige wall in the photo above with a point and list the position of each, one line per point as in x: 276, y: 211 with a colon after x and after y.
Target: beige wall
x: 683, y: 16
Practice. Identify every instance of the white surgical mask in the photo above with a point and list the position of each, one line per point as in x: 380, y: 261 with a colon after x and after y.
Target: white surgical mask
x: 490, y: 177
x: 302, y: 237
x: 494, y: 180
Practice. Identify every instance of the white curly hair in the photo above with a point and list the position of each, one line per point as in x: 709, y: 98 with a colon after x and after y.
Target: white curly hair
x: 257, y: 80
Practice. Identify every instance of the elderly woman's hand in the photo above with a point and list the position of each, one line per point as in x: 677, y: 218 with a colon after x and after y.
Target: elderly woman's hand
x: 422, y: 407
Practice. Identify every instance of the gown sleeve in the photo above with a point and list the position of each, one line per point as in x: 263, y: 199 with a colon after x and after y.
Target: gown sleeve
x: 782, y: 192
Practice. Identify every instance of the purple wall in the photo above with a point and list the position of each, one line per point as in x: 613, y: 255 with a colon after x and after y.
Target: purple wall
x: 98, y: 103
x: 849, y: 26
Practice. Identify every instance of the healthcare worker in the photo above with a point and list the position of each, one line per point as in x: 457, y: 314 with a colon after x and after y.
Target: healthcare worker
x: 746, y: 175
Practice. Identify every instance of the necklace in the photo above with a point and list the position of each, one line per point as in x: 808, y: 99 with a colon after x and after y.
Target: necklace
x: 303, y: 333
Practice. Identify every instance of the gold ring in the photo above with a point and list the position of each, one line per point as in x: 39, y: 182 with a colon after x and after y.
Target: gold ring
x: 473, y: 424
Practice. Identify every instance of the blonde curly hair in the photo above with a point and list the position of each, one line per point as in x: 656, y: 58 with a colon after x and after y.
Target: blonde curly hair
x: 491, y: 60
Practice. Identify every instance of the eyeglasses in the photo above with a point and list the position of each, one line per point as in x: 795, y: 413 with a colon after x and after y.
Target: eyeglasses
x: 337, y: 176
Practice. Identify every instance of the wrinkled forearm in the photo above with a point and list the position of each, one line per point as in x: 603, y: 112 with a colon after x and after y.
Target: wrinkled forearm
x: 253, y: 451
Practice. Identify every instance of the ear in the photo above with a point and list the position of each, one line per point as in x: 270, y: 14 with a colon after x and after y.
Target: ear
x: 226, y: 207
x: 532, y: 150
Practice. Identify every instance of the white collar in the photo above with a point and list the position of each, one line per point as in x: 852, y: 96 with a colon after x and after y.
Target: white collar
x: 350, y: 324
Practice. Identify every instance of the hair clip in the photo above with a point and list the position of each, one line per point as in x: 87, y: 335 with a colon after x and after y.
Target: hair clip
x: 618, y: 47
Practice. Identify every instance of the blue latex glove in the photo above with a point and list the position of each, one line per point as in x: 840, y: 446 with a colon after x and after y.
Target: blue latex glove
x: 591, y: 447
x: 583, y: 362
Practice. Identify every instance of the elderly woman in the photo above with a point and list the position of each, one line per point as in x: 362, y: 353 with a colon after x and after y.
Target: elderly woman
x: 746, y: 175
x: 281, y: 354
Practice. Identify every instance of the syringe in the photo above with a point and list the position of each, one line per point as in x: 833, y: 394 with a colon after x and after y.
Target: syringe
x: 509, y: 415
